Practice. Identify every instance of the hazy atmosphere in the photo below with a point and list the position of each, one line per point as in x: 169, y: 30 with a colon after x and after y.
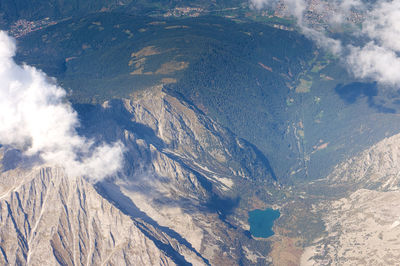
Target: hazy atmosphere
x: 227, y: 132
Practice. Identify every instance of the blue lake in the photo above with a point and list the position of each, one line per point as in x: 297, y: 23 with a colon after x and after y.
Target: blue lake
x: 261, y: 222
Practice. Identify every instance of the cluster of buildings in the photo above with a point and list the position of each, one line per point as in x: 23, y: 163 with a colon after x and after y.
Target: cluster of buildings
x: 23, y: 27
x: 184, y: 11
x: 318, y: 13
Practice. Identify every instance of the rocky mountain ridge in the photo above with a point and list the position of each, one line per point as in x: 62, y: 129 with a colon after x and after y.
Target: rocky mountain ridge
x: 375, y: 168
x: 362, y: 227
x: 173, y: 203
x: 49, y: 218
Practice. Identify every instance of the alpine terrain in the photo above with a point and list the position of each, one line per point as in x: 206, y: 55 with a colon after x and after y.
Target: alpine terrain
x: 245, y: 132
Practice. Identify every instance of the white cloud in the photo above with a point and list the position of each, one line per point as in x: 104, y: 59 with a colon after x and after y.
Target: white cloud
x: 378, y: 58
x: 375, y: 62
x: 374, y: 58
x: 383, y: 25
x: 294, y: 7
x: 263, y: 3
x: 36, y: 118
x: 320, y: 38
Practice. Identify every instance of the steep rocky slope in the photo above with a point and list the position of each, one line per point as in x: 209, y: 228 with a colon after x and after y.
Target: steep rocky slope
x: 192, y: 136
x: 49, y: 218
x: 362, y: 227
x: 176, y: 200
x: 189, y: 175
x: 376, y: 168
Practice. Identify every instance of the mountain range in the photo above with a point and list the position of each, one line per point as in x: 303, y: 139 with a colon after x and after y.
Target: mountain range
x: 219, y: 109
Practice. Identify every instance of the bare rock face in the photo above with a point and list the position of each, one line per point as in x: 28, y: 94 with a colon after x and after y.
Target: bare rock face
x: 48, y: 218
x: 185, y: 179
x: 186, y: 132
x: 169, y: 205
x: 362, y: 228
x: 377, y: 167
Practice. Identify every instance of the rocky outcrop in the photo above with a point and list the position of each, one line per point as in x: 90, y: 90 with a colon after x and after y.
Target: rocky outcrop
x: 375, y: 168
x: 362, y: 228
x: 48, y: 218
x: 186, y: 132
x: 173, y: 202
x: 189, y: 172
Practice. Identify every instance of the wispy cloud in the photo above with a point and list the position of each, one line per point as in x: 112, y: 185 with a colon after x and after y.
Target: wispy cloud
x: 36, y: 118
x: 376, y: 54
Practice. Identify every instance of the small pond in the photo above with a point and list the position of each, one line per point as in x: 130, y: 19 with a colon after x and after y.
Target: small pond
x: 262, y: 221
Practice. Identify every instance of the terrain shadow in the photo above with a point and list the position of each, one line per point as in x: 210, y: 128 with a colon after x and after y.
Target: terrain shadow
x: 13, y: 158
x: 106, y: 124
x: 113, y: 194
x: 351, y: 92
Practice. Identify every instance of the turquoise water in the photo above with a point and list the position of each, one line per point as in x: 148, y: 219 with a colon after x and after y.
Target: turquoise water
x: 261, y: 222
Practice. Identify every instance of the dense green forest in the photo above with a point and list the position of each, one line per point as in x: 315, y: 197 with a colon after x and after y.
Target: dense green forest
x: 271, y: 87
